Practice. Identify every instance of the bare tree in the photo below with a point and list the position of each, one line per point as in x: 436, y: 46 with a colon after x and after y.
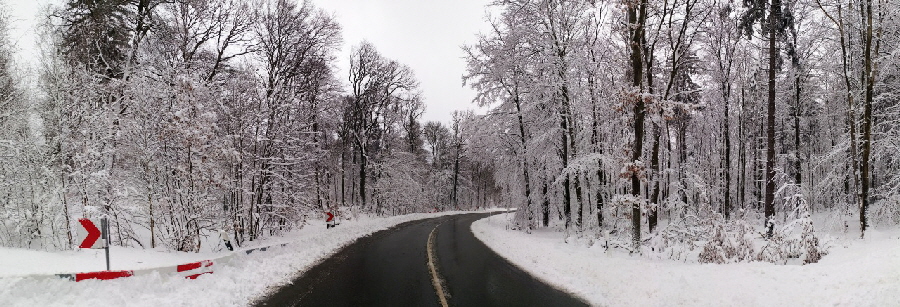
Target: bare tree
x: 377, y: 85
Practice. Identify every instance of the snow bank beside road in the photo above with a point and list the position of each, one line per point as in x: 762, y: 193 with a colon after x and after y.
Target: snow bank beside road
x: 237, y: 282
x: 864, y: 273
x: 21, y: 262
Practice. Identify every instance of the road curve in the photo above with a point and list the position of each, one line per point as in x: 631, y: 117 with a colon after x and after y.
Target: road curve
x: 390, y: 268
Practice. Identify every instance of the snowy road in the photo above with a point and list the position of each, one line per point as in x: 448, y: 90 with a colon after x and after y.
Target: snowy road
x: 390, y: 268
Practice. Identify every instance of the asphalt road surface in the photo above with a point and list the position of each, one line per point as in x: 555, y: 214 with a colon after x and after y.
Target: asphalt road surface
x: 390, y: 268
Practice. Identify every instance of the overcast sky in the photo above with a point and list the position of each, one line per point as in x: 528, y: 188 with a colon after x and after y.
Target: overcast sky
x: 424, y: 34
x: 23, y: 15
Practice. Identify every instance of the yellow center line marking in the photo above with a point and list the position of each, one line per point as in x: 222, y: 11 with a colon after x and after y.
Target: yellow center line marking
x: 435, y: 280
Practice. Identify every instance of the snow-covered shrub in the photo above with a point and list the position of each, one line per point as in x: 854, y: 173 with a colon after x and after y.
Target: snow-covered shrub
x: 678, y: 240
x: 886, y: 211
x: 621, y: 211
x: 795, y: 240
x: 522, y: 220
x: 715, y: 251
x: 773, y: 251
x: 800, y: 239
x: 712, y: 239
x: 812, y: 252
x: 728, y: 246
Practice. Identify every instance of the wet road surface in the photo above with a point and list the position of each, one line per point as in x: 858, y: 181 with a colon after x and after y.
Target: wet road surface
x: 389, y: 268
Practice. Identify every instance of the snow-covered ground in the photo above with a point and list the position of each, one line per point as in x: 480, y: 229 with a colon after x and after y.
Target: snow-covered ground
x: 23, y: 262
x: 237, y: 282
x: 855, y: 273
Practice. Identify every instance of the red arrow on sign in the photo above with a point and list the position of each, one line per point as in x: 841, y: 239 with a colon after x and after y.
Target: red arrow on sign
x: 330, y: 216
x: 92, y: 233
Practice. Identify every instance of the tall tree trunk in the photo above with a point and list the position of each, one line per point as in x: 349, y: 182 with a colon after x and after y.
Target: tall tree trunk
x: 601, y: 179
x: 636, y: 18
x: 726, y: 209
x: 657, y: 177
x: 343, y: 177
x: 152, y: 221
x: 564, y: 155
x: 567, y: 192
x: 867, y: 123
x: 795, y: 60
x: 851, y: 108
x: 65, y: 205
x: 458, y: 147
x: 524, y: 154
x: 579, y: 199
x: 362, y: 178
x: 595, y: 140
x: 567, y: 123
x: 770, y: 121
x: 320, y: 182
x: 654, y: 155
x: 568, y: 147
x: 456, y: 177
x: 545, y: 204
x: 798, y: 175
x: 742, y: 181
x: 573, y: 152
x: 759, y: 169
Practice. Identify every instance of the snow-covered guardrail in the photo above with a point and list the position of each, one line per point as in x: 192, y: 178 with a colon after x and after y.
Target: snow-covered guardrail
x: 190, y: 270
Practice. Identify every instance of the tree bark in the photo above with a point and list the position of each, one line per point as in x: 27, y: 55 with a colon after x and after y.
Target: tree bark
x: 545, y: 205
x: 867, y: 124
x: 770, y: 121
x: 524, y: 154
x: 362, y: 178
x: 795, y: 60
x: 637, y: 13
x: 726, y: 210
x: 595, y: 140
x: 456, y: 175
x: 742, y: 151
x: 851, y: 108
x: 654, y: 196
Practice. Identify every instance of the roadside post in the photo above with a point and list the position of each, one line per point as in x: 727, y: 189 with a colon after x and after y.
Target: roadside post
x: 93, y: 233
x: 105, y: 225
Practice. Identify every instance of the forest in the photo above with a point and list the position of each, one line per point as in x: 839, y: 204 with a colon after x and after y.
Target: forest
x: 178, y: 118
x: 655, y: 125
x: 643, y: 125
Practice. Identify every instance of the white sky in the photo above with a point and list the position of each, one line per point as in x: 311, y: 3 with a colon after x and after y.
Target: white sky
x: 424, y: 34
x: 427, y: 35
x: 23, y: 20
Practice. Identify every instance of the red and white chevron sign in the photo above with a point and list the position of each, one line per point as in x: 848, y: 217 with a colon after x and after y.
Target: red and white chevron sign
x: 91, y: 235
